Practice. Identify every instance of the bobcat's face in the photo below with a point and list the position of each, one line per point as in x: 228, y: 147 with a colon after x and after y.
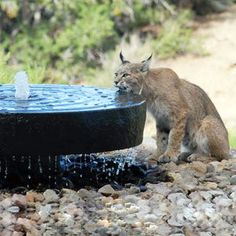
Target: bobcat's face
x: 129, y: 76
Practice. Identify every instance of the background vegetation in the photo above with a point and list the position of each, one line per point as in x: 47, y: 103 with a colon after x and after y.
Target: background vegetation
x: 65, y: 41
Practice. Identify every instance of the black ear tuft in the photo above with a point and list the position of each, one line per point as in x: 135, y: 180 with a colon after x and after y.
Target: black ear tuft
x: 123, y: 59
x: 146, y: 64
x: 147, y: 59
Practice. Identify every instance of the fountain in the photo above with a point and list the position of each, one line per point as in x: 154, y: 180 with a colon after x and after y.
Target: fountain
x: 48, y: 132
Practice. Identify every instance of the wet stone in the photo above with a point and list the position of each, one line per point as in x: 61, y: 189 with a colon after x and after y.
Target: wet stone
x: 107, y: 190
x: 50, y: 196
x: 233, y: 180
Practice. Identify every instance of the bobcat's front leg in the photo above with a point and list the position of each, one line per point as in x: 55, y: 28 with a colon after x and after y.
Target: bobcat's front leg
x: 161, y: 141
x: 176, y: 136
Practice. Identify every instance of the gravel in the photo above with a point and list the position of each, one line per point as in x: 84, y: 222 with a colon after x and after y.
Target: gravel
x: 200, y: 200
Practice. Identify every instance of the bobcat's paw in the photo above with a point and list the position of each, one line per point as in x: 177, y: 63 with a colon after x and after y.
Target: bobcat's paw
x: 184, y: 157
x: 167, y: 157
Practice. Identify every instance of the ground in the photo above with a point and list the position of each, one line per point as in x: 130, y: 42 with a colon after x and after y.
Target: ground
x: 200, y: 200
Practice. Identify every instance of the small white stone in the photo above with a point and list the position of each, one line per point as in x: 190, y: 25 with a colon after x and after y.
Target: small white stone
x: 233, y: 196
x: 133, y: 209
x: 45, y: 211
x: 50, y: 196
x: 179, y: 199
x: 13, y: 209
x: 173, y: 222
x: 150, y: 218
x: 152, y: 229
x: 7, y: 202
x: 222, y: 201
x: 205, y: 234
x: 189, y: 213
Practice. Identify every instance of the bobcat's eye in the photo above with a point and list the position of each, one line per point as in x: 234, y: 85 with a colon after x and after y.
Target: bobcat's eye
x: 125, y: 75
x: 116, y: 74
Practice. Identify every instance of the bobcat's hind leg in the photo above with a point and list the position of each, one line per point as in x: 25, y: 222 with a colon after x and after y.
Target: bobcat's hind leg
x: 212, y: 138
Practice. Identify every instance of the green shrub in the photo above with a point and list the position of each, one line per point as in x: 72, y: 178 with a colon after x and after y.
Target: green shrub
x: 232, y: 138
x: 175, y: 36
x: 57, y: 35
x: 64, y: 41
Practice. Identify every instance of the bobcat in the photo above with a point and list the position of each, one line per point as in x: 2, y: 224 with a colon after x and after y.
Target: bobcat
x: 184, y: 114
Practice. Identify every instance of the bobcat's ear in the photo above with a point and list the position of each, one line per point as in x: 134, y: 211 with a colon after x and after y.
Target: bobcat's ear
x: 123, y: 59
x: 145, y: 64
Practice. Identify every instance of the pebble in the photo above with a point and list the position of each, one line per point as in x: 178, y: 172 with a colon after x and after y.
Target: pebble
x: 34, y: 197
x: 201, y: 196
x: 233, y: 180
x: 44, y: 211
x: 107, y: 190
x: 50, y: 196
x: 19, y: 200
x: 6, y: 203
x: 199, y: 166
x: 13, y: 209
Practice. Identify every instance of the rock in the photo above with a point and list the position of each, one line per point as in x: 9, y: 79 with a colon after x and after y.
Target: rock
x: 163, y: 229
x: 179, y: 199
x: 161, y: 188
x: 173, y: 222
x: 44, y: 211
x: 107, y: 200
x: 176, y: 235
x: 67, y: 219
x: 15, y: 233
x: 150, y: 218
x: 34, y: 197
x: 205, y: 234
x: 233, y: 180
x: 13, y: 209
x: 6, y: 203
x: 35, y: 217
x: 84, y: 193
x: 209, y: 185
x: 233, y: 196
x: 133, y: 190
x: 222, y: 201
x: 130, y: 219
x: 133, y: 209
x: 104, y: 223
x: 19, y: 200
x: 72, y: 210
x: 152, y: 229
x: 29, y: 226
x: 6, y: 232
x: 137, y: 224
x: 215, y: 166
x: 7, y: 219
x: 107, y: 190
x: 50, y: 196
x: 199, y: 166
x: 121, y: 223
x: 131, y: 198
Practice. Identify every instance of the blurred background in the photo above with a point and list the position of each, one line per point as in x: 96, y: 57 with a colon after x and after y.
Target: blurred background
x: 78, y: 42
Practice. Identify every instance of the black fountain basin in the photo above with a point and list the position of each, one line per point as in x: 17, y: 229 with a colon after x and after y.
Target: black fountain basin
x: 49, y: 141
x: 64, y: 119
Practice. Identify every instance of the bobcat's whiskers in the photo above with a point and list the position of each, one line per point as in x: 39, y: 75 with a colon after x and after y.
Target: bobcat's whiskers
x: 141, y: 90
